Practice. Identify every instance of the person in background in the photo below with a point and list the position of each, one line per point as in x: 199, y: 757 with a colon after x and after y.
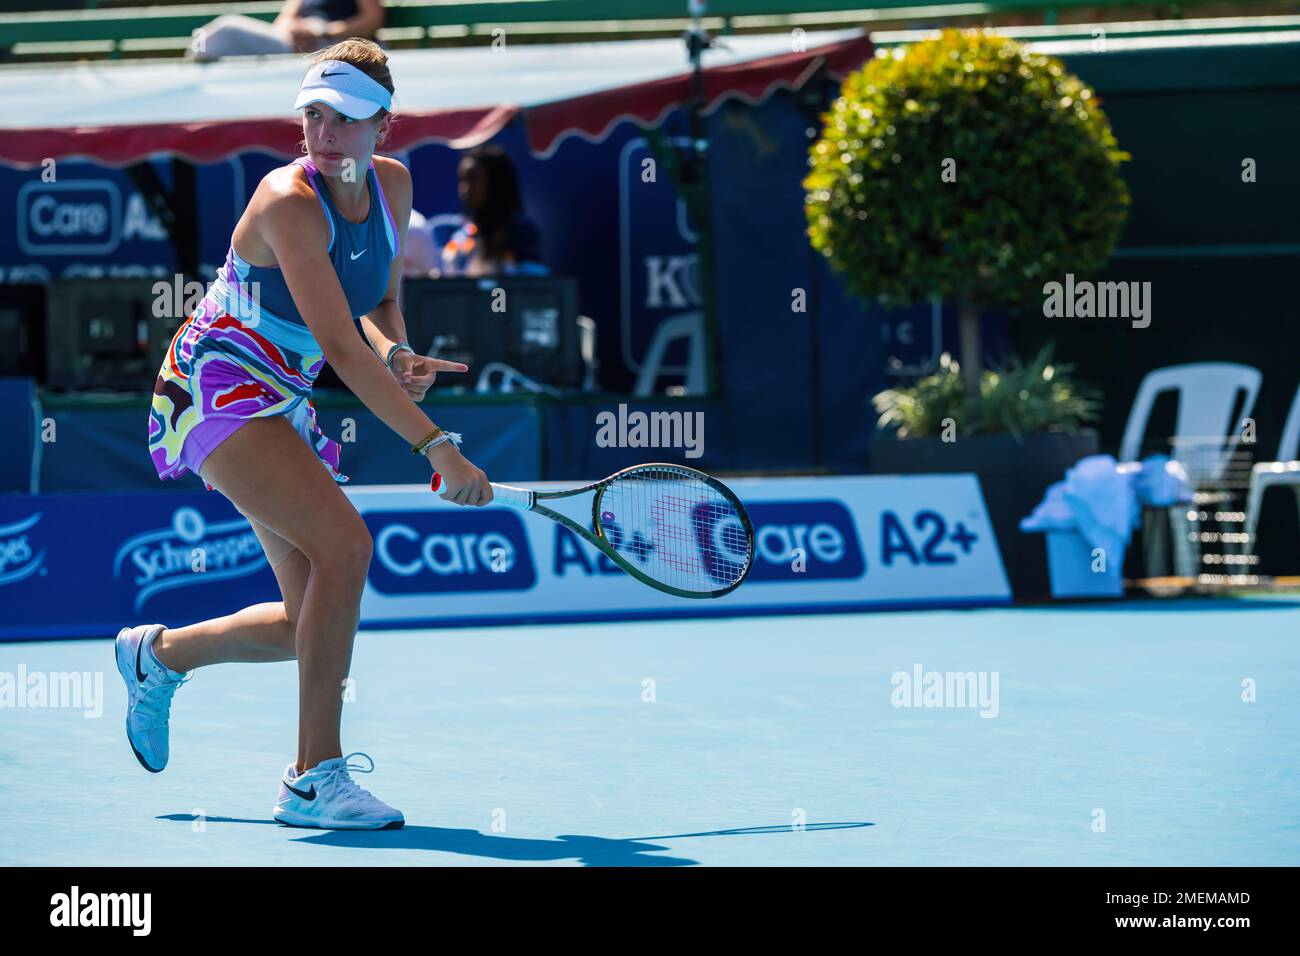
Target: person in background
x: 495, y: 237
x: 302, y: 26
x: 421, y: 255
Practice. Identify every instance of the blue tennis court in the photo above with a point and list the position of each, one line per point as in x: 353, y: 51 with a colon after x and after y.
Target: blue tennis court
x: 1117, y: 735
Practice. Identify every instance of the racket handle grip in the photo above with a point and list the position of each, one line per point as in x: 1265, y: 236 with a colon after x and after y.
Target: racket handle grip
x: 507, y: 495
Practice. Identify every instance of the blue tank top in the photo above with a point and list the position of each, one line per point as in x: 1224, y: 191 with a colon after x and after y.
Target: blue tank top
x: 361, y: 253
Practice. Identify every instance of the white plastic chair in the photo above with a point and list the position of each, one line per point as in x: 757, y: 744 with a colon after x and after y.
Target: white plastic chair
x: 689, y: 326
x: 1205, y: 436
x: 1284, y: 471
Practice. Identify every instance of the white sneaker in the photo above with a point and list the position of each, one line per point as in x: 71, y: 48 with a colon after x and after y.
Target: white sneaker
x: 149, y: 690
x: 326, y: 797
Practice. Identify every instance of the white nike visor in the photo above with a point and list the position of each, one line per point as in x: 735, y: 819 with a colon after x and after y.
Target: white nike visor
x: 344, y: 87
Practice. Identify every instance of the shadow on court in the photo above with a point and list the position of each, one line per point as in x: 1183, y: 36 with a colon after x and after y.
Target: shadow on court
x: 587, y: 850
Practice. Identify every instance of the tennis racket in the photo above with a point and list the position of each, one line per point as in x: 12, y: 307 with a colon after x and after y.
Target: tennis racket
x: 674, y: 528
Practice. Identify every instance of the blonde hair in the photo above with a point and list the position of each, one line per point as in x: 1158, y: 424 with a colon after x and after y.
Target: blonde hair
x: 368, y: 57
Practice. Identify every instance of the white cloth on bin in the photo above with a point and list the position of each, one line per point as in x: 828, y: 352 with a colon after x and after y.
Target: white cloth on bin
x: 1162, y: 482
x: 1102, y: 499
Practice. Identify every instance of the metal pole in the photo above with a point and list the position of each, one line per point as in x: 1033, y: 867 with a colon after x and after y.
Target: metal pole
x: 695, y: 184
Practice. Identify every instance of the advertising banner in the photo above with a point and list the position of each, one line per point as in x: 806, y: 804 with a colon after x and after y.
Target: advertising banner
x: 86, y: 565
x: 822, y: 544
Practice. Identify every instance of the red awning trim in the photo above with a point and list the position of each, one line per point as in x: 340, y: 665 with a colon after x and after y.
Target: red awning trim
x: 592, y: 117
x: 211, y: 142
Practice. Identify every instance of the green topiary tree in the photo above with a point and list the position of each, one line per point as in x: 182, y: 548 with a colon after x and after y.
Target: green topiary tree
x: 966, y: 169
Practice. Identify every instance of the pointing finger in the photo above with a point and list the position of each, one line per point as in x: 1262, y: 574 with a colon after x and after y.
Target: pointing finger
x: 442, y: 365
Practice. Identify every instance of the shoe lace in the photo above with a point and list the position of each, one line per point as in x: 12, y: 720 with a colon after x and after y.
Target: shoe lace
x: 155, y: 701
x: 344, y: 785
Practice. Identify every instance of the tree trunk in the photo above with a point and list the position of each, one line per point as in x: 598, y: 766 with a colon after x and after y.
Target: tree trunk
x: 972, y: 358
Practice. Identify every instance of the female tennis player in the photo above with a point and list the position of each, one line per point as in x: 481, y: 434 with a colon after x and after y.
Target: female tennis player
x: 321, y: 243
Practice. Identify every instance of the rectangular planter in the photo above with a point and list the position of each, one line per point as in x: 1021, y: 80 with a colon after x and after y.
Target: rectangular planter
x: 1013, y: 475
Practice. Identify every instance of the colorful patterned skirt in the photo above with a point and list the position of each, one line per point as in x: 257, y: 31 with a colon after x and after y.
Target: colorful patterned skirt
x: 220, y: 372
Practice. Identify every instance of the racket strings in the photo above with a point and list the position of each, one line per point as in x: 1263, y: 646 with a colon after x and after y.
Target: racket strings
x: 670, y: 516
x: 676, y: 528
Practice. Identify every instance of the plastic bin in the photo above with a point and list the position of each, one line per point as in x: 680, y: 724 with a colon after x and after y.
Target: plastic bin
x: 1069, y: 563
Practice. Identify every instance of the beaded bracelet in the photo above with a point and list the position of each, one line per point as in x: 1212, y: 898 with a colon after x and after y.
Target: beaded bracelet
x: 423, y: 443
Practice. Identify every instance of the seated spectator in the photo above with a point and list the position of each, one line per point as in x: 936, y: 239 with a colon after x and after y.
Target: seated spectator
x: 495, y: 237
x: 302, y: 26
x: 421, y: 255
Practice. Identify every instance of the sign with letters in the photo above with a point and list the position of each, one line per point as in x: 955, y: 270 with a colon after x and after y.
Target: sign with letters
x: 82, y: 565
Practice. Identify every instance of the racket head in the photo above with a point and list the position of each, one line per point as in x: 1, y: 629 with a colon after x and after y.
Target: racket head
x: 677, y: 529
